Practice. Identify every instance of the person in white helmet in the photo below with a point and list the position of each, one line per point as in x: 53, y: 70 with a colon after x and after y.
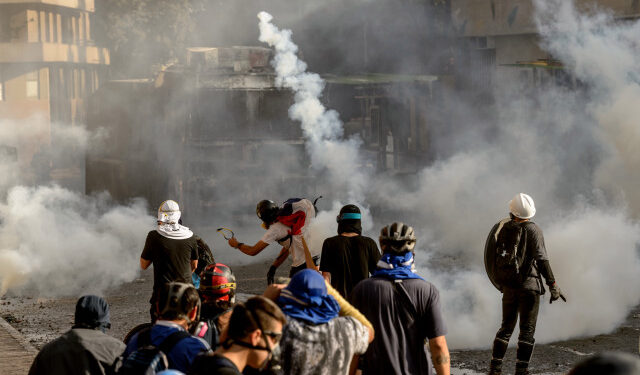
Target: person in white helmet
x: 173, y: 250
x: 516, y: 260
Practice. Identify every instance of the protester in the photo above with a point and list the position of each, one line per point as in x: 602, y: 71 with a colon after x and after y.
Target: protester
x: 172, y: 249
x: 315, y: 340
x: 85, y: 349
x: 348, y: 257
x: 608, y: 363
x: 218, y: 295
x: 404, y: 310
x: 178, y: 308
x: 288, y: 225
x: 255, y: 328
x: 516, y: 257
x: 205, y: 258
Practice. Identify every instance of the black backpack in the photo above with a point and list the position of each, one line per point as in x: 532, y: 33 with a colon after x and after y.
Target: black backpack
x: 205, y: 256
x: 149, y: 359
x: 510, y: 268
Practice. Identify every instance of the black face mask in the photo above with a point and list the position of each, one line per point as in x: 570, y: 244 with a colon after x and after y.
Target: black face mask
x: 271, y: 365
x: 349, y: 226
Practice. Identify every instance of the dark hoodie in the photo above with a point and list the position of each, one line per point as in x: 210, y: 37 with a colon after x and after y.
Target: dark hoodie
x: 85, y: 349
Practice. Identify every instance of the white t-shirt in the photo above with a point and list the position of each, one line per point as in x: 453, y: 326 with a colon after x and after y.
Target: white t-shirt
x: 278, y: 231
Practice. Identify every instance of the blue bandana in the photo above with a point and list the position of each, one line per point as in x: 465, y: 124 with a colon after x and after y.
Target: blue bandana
x: 306, y: 298
x: 394, y: 266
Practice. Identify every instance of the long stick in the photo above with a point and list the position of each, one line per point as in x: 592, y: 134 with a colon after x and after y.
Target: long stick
x: 307, y: 255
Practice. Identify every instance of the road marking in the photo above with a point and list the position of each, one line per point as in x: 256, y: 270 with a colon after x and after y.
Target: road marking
x: 571, y: 350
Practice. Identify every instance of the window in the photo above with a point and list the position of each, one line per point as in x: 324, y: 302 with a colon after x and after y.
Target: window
x: 1, y: 91
x: 32, y: 85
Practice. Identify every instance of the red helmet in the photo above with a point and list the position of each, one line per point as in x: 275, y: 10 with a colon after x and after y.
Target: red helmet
x: 217, y: 284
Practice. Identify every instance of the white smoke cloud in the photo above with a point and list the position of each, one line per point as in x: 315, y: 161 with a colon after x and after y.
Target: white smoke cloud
x: 571, y: 150
x: 605, y: 54
x: 55, y: 241
x: 58, y: 242
x: 322, y: 128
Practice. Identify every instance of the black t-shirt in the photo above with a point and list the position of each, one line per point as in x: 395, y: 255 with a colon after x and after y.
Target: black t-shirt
x: 171, y: 258
x: 213, y: 364
x: 349, y: 260
x: 398, y: 347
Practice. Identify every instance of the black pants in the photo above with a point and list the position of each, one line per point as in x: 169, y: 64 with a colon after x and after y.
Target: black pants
x: 303, y: 266
x: 520, y: 303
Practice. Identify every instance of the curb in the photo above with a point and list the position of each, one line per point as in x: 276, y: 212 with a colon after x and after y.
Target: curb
x: 17, y: 336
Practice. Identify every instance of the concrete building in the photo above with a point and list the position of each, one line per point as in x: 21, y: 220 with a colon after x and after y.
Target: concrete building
x: 49, y: 64
x: 218, y: 127
x: 502, y: 35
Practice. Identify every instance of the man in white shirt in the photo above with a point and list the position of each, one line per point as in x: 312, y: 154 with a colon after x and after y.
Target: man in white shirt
x: 287, y: 226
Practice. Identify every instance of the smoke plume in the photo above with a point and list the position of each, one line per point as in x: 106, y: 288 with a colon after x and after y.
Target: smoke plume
x: 571, y: 149
x: 322, y: 128
x: 55, y: 241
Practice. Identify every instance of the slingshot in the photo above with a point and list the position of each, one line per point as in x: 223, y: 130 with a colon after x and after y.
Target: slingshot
x: 226, y: 233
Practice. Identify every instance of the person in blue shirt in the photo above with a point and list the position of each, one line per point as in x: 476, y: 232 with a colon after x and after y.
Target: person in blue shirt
x: 178, y: 309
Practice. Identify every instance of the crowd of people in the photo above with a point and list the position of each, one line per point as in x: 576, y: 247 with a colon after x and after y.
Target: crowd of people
x: 350, y: 308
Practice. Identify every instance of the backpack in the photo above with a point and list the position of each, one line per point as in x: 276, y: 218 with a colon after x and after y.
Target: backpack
x: 510, y: 268
x: 149, y: 359
x: 294, y: 213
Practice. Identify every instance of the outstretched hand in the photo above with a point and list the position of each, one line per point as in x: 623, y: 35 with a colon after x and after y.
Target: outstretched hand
x: 233, y: 242
x: 271, y: 275
x: 556, y: 293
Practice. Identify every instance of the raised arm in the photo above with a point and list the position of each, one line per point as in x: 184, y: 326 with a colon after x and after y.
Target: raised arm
x: 247, y: 249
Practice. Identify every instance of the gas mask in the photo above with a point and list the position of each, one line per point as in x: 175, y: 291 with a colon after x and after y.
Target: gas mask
x: 271, y: 365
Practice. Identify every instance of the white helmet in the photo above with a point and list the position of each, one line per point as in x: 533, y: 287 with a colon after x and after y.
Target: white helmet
x: 169, y: 212
x: 522, y: 206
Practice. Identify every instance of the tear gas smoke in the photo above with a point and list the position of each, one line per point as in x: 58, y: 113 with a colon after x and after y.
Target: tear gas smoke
x: 322, y: 128
x: 54, y: 241
x: 544, y: 144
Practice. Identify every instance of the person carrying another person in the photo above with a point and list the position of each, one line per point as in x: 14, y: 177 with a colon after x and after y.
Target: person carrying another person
x: 255, y: 328
x: 316, y: 340
x: 172, y: 249
x: 86, y: 348
x: 404, y: 310
x: 515, y: 260
x: 178, y: 309
x: 289, y: 226
x: 218, y: 295
x: 348, y: 257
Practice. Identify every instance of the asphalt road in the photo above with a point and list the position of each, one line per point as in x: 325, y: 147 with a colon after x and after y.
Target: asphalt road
x: 40, y: 320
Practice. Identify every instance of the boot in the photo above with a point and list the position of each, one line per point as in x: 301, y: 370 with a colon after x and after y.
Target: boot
x: 499, y: 349
x: 523, y: 356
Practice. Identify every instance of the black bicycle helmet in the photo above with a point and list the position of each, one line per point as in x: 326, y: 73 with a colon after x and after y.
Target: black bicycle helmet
x: 172, y: 303
x: 267, y: 211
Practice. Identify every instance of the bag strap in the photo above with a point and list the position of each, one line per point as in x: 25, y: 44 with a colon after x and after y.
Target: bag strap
x: 171, y: 341
x: 405, y: 299
x: 411, y: 307
x: 144, y: 337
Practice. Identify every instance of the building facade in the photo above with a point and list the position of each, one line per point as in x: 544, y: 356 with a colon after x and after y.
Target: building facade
x: 49, y: 64
x: 501, y: 35
x: 217, y: 127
